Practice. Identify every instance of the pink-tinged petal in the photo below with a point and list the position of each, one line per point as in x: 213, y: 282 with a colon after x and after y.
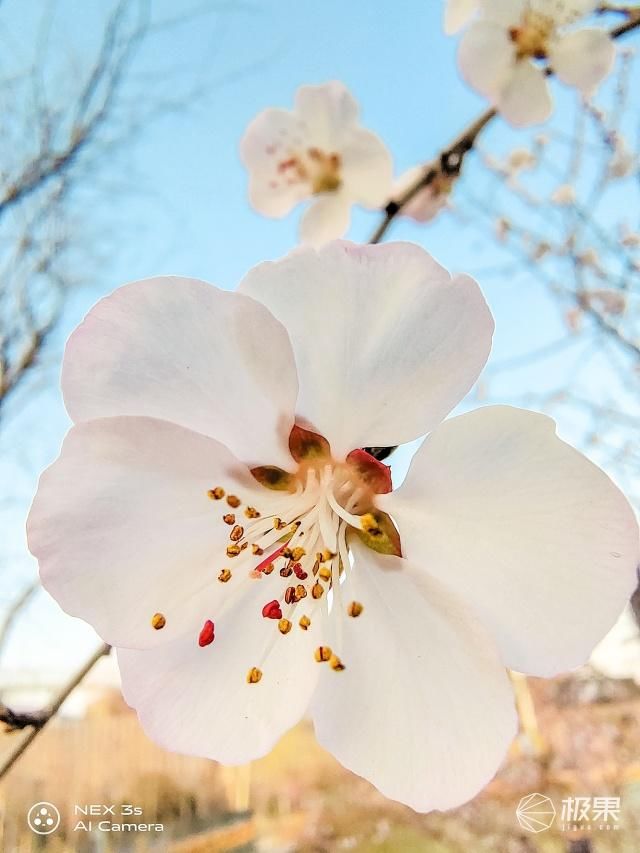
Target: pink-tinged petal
x: 427, y: 203
x: 123, y: 528
x: 367, y: 168
x: 525, y: 99
x: 458, y: 13
x: 535, y: 537
x: 185, y: 351
x: 423, y: 708
x: 583, y: 58
x: 268, y: 143
x: 386, y: 341
x: 197, y: 700
x: 328, y: 113
x: 486, y: 57
x: 326, y: 218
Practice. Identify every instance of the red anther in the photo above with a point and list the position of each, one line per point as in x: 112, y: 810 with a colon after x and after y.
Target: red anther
x: 207, y: 634
x: 299, y: 571
x: 270, y: 558
x: 272, y: 610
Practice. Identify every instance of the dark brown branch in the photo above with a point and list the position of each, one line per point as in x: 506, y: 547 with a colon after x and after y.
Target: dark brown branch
x: 38, y: 720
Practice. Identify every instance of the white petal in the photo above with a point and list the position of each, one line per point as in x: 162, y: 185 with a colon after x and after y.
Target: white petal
x: 185, y: 351
x: 423, y: 708
x: 197, y: 701
x: 367, y: 168
x: 328, y: 113
x: 326, y: 218
x: 564, y: 12
x: 525, y: 99
x: 507, y: 13
x: 486, y: 56
x: 386, y: 342
x: 271, y: 138
x: 583, y: 58
x: 536, y: 537
x: 123, y: 528
x: 458, y: 13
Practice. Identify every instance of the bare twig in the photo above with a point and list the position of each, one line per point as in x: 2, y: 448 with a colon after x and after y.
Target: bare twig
x: 37, y: 721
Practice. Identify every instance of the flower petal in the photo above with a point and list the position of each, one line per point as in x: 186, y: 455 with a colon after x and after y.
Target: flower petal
x: 583, y: 58
x: 187, y: 352
x: 386, y: 342
x: 267, y: 142
x: 328, y: 113
x: 486, y: 57
x: 536, y: 537
x: 367, y: 168
x: 123, y: 528
x: 423, y: 708
x: 525, y: 99
x: 458, y: 13
x: 326, y: 218
x: 197, y: 700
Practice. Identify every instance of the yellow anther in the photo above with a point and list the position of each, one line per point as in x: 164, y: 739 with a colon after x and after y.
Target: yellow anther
x: 287, y: 553
x: 317, y: 590
x: 284, y: 626
x: 254, y: 675
x: 216, y: 494
x: 257, y: 550
x: 370, y: 525
x: 322, y: 654
x: 278, y: 524
x: 233, y: 550
x: 266, y: 570
x: 158, y: 621
x: 251, y: 512
x: 304, y: 622
x: 301, y: 592
x: 324, y: 573
x: 336, y: 663
x: 224, y: 576
x: 298, y: 553
x: 354, y: 609
x: 327, y: 555
x: 233, y: 501
x: 237, y: 533
x: 229, y: 518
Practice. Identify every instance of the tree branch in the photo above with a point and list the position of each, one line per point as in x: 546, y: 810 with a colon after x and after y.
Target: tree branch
x: 449, y: 162
x: 38, y: 720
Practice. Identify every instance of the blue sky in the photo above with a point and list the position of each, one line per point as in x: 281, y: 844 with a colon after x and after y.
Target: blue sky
x: 185, y: 211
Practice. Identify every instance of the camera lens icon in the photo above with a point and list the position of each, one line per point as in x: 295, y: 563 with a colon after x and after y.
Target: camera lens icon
x: 43, y: 818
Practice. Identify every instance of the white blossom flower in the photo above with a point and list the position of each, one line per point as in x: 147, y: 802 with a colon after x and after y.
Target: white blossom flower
x: 503, y: 55
x: 316, y: 151
x: 214, y: 516
x: 429, y: 201
x: 458, y: 13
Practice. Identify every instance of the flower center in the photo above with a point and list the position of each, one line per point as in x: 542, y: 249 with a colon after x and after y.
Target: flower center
x: 532, y: 36
x: 321, y: 170
x: 303, y: 550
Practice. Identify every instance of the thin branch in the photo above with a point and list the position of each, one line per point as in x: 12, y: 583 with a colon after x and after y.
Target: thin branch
x: 449, y: 162
x: 38, y: 720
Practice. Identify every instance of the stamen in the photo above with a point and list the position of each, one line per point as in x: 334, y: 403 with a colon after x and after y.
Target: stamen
x: 224, y: 576
x: 237, y: 533
x: 207, y: 635
x: 301, y: 592
x: 158, y: 621
x: 304, y: 622
x: 272, y: 610
x: 317, y: 590
x: 229, y: 518
x: 233, y: 501
x: 233, y: 550
x: 216, y: 494
x: 251, y: 512
x: 284, y: 626
x: 290, y: 595
x: 254, y: 675
x: 335, y: 663
x: 322, y: 654
x: 355, y: 609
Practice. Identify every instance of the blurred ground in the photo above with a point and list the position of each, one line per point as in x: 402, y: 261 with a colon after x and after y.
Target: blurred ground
x: 587, y: 744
